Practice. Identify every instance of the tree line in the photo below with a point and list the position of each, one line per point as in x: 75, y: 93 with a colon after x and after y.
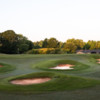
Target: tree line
x: 12, y: 43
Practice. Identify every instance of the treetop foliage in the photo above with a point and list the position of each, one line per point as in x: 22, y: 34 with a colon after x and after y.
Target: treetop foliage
x: 12, y: 43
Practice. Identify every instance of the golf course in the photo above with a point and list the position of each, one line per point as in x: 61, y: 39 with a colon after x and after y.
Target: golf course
x: 80, y: 82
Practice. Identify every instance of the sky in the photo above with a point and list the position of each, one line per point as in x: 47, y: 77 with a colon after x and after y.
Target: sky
x: 62, y: 19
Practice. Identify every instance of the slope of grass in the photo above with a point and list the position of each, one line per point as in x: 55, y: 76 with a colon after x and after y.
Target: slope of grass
x: 46, y: 65
x: 89, y: 91
x: 58, y: 82
x: 6, y: 68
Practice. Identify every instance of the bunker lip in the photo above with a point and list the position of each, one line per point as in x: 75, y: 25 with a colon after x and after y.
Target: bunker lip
x: 98, y: 61
x: 1, y: 65
x: 30, y: 81
x: 63, y: 66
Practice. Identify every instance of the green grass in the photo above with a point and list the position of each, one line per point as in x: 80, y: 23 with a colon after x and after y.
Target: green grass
x: 82, y: 83
x: 46, y: 65
x: 96, y: 56
x: 6, y: 68
x: 58, y: 82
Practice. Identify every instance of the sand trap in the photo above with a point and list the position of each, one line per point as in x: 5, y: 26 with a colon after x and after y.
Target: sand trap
x: 63, y: 67
x: 98, y: 61
x: 30, y: 81
x: 1, y: 66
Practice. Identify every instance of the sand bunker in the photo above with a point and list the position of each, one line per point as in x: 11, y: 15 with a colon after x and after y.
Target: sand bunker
x: 63, y: 67
x: 1, y: 66
x: 98, y: 61
x: 30, y: 81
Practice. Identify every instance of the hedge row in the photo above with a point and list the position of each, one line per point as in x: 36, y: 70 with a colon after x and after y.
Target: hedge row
x: 46, y: 51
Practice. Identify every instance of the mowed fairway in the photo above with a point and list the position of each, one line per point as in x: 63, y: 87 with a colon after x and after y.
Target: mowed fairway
x: 80, y: 83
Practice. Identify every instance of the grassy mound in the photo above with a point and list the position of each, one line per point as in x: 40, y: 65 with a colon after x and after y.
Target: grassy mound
x: 94, y: 58
x: 58, y: 82
x: 6, y: 68
x: 46, y: 65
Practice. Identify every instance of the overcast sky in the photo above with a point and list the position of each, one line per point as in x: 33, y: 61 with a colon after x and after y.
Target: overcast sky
x: 62, y: 19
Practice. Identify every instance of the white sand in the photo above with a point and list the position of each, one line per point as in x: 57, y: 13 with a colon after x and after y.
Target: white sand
x: 63, y: 67
x: 30, y: 81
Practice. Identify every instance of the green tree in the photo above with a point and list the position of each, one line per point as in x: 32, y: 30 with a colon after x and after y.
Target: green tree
x: 79, y: 43
x: 45, y: 43
x: 92, y: 44
x: 70, y: 47
x: 23, y: 48
x: 8, y: 41
x: 86, y: 46
x: 60, y: 45
x: 12, y: 43
x: 22, y: 42
x: 52, y: 43
x: 98, y: 45
x: 36, y: 45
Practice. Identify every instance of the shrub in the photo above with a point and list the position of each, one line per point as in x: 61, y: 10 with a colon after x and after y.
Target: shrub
x: 46, y: 51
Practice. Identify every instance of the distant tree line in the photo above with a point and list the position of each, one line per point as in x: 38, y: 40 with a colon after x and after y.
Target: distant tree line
x: 12, y: 43
x: 70, y: 46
